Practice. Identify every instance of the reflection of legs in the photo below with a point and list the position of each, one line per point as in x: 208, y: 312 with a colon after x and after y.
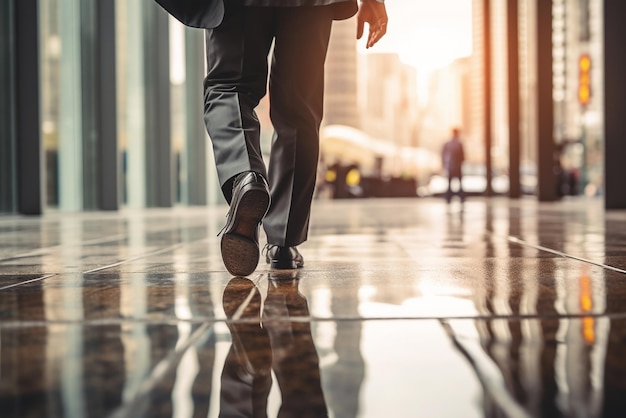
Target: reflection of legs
x: 296, y: 100
x: 246, y: 377
x: 295, y: 360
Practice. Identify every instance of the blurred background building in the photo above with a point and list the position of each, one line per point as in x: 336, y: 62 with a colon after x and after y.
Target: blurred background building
x: 340, y: 95
x: 115, y: 96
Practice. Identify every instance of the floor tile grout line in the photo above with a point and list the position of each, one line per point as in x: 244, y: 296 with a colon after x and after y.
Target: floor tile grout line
x: 482, y: 366
x: 125, y: 214
x: 159, y: 371
x: 16, y: 324
x: 565, y: 255
x: 37, y: 279
x: 521, y: 242
x: 46, y: 250
x: 144, y: 255
x: 135, y: 258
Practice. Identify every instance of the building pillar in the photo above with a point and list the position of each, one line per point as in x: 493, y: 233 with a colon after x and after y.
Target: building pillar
x: 132, y: 103
x: 614, y: 104
x: 7, y: 113
x: 514, y: 97
x: 487, y: 93
x: 546, y: 179
x: 159, y: 158
x: 74, y: 106
x: 195, y: 132
x: 29, y: 150
x: 109, y: 164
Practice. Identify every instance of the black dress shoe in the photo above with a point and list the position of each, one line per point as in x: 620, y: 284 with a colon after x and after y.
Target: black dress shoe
x: 283, y: 258
x: 240, y: 239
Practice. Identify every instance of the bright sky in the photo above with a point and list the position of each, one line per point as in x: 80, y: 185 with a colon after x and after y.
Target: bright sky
x: 428, y: 34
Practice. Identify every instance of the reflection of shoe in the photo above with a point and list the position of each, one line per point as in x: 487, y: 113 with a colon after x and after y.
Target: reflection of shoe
x: 283, y: 283
x: 283, y: 258
x: 241, y: 294
x: 251, y: 353
x: 283, y: 301
x: 288, y: 274
x: 240, y: 242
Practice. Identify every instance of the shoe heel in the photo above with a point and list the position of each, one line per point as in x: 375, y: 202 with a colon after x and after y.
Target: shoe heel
x: 240, y: 255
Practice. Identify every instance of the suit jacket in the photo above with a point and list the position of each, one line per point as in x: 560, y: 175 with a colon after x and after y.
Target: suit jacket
x: 209, y: 13
x: 196, y: 13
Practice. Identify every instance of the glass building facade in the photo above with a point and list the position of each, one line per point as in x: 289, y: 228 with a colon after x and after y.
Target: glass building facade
x: 109, y: 134
x: 8, y: 196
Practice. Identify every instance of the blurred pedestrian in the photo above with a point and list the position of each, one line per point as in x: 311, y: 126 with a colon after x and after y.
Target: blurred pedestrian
x: 239, y: 37
x: 452, y: 157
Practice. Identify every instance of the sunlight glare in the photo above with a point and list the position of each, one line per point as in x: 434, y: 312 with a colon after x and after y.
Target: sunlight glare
x: 428, y: 35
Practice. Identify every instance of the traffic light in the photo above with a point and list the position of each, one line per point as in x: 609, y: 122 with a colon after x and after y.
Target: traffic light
x: 584, y: 79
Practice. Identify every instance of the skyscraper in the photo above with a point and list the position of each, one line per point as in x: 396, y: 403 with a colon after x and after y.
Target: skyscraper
x: 341, y: 76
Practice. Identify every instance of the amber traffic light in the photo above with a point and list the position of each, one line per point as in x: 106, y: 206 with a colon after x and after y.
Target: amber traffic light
x: 584, y: 79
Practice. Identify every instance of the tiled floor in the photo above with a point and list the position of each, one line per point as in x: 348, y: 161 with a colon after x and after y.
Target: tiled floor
x: 405, y: 308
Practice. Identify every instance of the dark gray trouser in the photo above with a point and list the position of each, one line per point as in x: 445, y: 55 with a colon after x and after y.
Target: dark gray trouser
x: 237, y: 56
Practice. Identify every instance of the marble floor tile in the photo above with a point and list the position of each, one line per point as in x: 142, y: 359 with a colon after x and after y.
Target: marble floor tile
x: 405, y: 308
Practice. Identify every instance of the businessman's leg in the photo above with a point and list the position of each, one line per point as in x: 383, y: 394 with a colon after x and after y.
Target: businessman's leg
x: 236, y: 81
x: 296, y: 99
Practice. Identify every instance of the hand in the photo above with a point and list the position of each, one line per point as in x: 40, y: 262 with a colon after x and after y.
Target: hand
x: 375, y: 14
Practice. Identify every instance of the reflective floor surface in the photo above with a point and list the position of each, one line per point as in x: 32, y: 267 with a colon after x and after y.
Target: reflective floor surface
x: 405, y: 308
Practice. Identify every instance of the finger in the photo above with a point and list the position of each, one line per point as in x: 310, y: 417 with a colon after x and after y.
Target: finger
x: 380, y: 33
x: 372, y: 41
x: 372, y: 35
x: 359, y: 29
x: 376, y: 34
x: 370, y: 38
x: 382, y: 28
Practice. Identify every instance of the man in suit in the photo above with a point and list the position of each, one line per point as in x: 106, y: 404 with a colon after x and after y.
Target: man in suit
x: 239, y: 35
x: 452, y: 157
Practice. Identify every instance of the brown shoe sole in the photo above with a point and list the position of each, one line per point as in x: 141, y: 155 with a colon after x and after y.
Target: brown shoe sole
x: 239, y: 246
